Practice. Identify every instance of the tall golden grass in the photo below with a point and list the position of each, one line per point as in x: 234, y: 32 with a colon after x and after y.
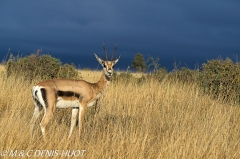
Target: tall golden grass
x: 136, y: 120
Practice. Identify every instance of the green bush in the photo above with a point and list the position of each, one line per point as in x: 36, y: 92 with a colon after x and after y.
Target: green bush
x: 39, y: 66
x: 68, y: 71
x: 221, y: 77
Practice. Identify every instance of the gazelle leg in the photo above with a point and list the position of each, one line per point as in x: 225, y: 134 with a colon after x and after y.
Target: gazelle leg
x: 73, y: 120
x: 47, y: 116
x: 35, y: 116
x: 81, y: 117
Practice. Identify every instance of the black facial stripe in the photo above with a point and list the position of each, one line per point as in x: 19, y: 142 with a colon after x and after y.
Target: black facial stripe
x: 68, y: 94
x: 44, y: 96
x: 103, y: 63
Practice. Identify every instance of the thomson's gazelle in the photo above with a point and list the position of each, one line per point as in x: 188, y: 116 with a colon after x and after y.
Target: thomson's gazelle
x: 65, y: 93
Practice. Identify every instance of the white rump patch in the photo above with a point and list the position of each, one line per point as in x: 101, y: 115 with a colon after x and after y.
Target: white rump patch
x: 37, y: 94
x: 61, y: 103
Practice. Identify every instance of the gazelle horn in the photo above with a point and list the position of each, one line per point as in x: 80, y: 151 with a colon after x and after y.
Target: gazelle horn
x: 105, y: 52
x: 114, y: 50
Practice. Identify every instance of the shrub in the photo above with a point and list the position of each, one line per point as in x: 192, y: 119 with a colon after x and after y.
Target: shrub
x: 39, y: 66
x: 221, y: 77
x: 68, y: 71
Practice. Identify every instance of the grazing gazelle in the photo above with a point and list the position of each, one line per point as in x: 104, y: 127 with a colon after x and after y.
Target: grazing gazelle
x: 65, y: 93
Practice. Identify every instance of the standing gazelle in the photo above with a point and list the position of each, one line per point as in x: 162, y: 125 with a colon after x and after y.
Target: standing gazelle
x: 65, y: 93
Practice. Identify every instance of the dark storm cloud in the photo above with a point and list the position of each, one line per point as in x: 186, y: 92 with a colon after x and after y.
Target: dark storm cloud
x: 189, y: 32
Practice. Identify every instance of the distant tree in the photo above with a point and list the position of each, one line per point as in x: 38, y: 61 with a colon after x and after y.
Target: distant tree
x: 153, y: 62
x: 138, y: 63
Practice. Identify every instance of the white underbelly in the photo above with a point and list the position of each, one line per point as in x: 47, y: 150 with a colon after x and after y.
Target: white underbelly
x: 61, y: 103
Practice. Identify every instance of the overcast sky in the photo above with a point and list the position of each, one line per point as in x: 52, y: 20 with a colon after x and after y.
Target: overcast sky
x: 188, y: 32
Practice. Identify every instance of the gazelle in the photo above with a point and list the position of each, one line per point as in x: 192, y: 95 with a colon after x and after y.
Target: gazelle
x: 65, y: 93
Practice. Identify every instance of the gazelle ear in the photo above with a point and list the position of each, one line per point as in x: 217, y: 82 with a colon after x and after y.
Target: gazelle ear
x: 115, y: 61
x: 99, y: 59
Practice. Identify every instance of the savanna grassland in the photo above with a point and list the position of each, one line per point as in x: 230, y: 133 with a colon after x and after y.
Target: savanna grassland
x: 150, y: 119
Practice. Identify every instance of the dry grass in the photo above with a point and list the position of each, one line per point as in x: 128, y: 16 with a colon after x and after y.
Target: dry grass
x: 147, y: 120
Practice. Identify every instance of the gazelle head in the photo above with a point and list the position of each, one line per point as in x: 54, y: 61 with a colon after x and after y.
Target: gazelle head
x: 108, y: 65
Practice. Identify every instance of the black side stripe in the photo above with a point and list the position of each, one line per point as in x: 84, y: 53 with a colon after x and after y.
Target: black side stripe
x: 68, y: 94
x: 44, y: 95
